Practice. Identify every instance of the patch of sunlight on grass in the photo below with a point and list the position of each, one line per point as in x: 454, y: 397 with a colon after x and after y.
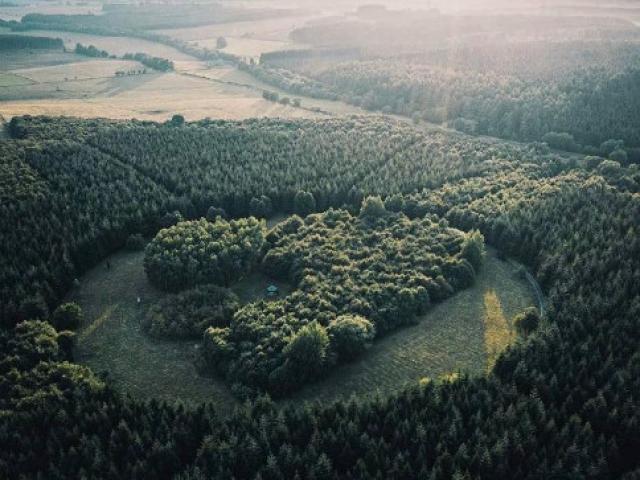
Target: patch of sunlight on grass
x: 87, y: 332
x: 498, y: 334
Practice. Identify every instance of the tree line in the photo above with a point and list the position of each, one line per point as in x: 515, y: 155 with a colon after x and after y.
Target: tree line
x: 19, y: 42
x: 157, y: 63
x: 550, y: 78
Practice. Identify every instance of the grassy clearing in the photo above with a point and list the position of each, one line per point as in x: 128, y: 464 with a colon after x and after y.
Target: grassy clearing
x: 113, y: 342
x: 148, y: 97
x: 271, y: 29
x: 92, y: 69
x: 13, y: 80
x: 252, y: 287
x: 114, y: 45
x: 450, y: 338
x: 16, y: 59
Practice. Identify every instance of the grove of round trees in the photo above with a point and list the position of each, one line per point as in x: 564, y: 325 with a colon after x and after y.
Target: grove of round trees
x: 199, y: 252
x: 189, y: 313
x: 355, y: 277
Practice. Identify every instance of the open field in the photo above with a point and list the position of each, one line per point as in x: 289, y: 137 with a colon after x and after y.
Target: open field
x: 247, y: 47
x: 248, y: 39
x: 271, y: 29
x: 64, y: 77
x: 450, y: 338
x: 114, y: 45
x: 235, y: 77
x: 153, y: 97
x: 13, y: 80
x: 39, y: 97
x: 17, y: 59
x: 83, y: 70
x: 113, y: 342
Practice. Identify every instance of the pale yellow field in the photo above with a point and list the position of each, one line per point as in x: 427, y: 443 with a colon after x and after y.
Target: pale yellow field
x: 272, y: 29
x: 234, y: 76
x: 498, y: 332
x: 96, y: 68
x: 158, y: 97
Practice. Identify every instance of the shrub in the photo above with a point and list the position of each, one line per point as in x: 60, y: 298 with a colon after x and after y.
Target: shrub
x: 307, y: 349
x: 189, y: 313
x: 135, y: 242
x: 261, y: 207
x: 214, y: 212
x: 561, y: 141
x: 216, y: 347
x: 201, y: 252
x: 350, y: 336
x: 473, y: 249
x: 67, y: 316
x: 372, y: 208
x: 177, y: 120
x: 170, y: 219
x: 304, y: 203
x: 221, y: 43
x: 527, y: 321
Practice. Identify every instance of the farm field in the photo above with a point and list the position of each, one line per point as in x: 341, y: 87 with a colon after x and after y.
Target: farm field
x: 14, y: 60
x: 114, y: 45
x: 13, y: 80
x: 449, y: 338
x: 62, y: 83
x: 60, y: 76
x: 271, y: 29
x: 248, y: 48
x: 153, y: 97
x: 82, y: 70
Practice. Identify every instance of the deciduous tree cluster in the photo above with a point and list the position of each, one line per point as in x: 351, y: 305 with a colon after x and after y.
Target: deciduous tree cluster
x: 354, y: 276
x: 200, y: 252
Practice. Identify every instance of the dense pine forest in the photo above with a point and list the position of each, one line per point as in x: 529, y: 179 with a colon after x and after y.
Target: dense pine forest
x: 16, y: 42
x: 377, y: 204
x: 569, y: 81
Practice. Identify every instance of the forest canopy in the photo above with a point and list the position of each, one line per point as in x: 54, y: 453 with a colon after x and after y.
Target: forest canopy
x: 200, y: 252
x: 355, y: 277
x: 559, y: 402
